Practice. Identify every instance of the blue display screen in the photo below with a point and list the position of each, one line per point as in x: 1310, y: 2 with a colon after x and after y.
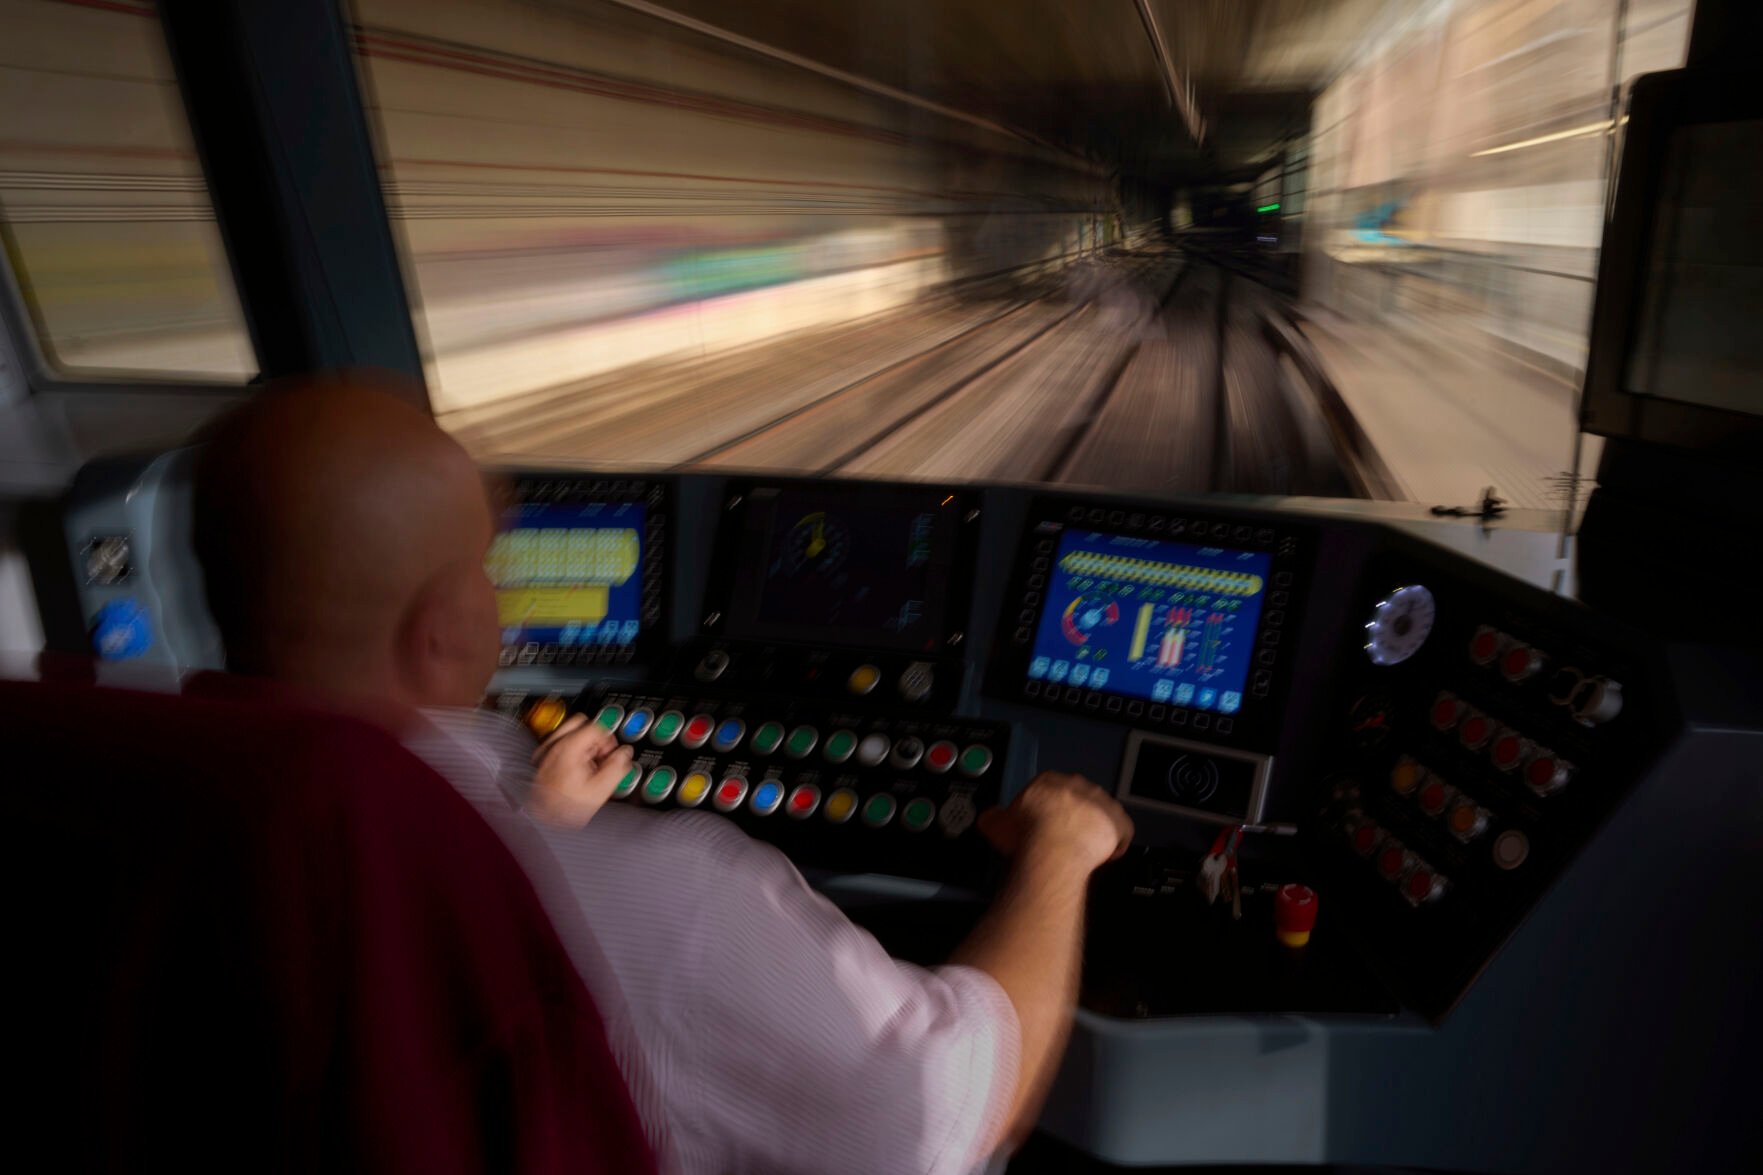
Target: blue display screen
x: 569, y: 575
x: 1150, y: 618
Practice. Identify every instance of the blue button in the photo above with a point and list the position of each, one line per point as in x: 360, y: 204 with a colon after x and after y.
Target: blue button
x: 637, y: 725
x: 728, y: 735
x: 766, y: 797
x: 121, y: 630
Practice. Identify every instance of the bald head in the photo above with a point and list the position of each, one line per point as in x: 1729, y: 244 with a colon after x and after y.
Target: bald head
x: 342, y: 534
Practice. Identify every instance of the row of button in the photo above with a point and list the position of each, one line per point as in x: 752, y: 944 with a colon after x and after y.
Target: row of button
x: 1156, y: 522
x: 534, y: 653
x: 802, y: 801
x: 1464, y: 818
x: 1544, y: 772
x: 841, y: 745
x: 1132, y: 708
x: 1517, y: 660
x: 1416, y: 880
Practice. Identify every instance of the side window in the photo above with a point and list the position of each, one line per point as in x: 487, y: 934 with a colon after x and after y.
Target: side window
x: 104, y: 212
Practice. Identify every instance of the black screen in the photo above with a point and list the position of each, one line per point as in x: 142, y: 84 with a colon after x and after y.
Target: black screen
x: 868, y: 566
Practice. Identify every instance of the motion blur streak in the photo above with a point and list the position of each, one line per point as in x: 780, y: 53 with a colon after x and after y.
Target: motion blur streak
x: 920, y: 238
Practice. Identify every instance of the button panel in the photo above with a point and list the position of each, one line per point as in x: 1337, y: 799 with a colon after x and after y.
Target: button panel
x: 836, y: 788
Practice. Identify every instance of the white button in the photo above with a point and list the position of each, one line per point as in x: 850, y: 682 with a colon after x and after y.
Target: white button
x: 872, y: 750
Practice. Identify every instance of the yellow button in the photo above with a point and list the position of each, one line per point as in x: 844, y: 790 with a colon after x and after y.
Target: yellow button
x: 547, y: 716
x: 1405, y: 776
x: 863, y: 679
x: 840, y: 805
x: 693, y: 789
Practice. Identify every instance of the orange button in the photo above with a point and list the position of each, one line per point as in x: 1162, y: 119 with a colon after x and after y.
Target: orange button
x: 547, y: 716
x: 1405, y: 776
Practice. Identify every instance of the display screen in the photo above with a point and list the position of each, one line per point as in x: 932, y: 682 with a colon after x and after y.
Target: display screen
x: 1150, y: 618
x: 869, y: 568
x: 569, y: 575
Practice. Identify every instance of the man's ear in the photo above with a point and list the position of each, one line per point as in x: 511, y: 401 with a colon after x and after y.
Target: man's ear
x: 436, y: 647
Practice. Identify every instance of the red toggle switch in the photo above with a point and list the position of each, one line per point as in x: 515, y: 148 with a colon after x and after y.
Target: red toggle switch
x: 1294, y: 914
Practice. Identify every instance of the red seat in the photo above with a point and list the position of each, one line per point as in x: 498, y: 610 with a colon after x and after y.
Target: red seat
x: 260, y: 938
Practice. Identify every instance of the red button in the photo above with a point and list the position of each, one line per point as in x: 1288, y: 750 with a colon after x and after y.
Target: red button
x: 697, y: 731
x: 1294, y: 908
x: 730, y: 792
x: 1508, y: 749
x: 1545, y: 773
x: 1484, y: 647
x: 1419, y: 885
x: 1432, y: 798
x: 1475, y: 731
x: 1390, y: 863
x: 1364, y: 840
x: 940, y: 757
x: 1520, y: 663
x: 1445, y: 711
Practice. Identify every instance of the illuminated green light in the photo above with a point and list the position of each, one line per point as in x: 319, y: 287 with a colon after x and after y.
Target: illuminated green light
x: 1268, y: 208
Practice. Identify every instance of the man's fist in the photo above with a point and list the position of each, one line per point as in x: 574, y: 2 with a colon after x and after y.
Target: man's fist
x: 1065, y: 816
x: 575, y: 771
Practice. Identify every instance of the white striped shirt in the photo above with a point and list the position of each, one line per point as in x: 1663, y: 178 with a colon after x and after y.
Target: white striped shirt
x: 761, y: 1031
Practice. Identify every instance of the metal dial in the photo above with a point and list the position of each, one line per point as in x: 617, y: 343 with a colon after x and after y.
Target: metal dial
x: 1399, y: 625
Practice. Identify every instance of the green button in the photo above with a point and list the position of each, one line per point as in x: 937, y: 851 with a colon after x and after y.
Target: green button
x: 918, y: 815
x: 802, y: 740
x: 628, y: 784
x: 609, y: 717
x: 878, y: 811
x: 839, y: 745
x: 976, y: 760
x: 667, y: 728
x: 766, y: 738
x: 660, y: 785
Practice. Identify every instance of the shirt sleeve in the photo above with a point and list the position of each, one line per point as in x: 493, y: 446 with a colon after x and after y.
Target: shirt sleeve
x: 811, y: 1049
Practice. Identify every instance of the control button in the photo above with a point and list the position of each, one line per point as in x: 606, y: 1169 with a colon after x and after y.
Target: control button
x: 1520, y: 663
x: 1510, y: 849
x: 976, y: 760
x: 916, y: 681
x: 802, y: 740
x: 1484, y: 646
x: 1406, y: 775
x: 1432, y: 797
x: 609, y: 717
x: 547, y: 716
x: 1476, y: 730
x: 1422, y: 886
x: 659, y: 785
x: 940, y: 757
x: 697, y: 731
x: 692, y: 789
x: 713, y: 666
x: 636, y: 725
x: 728, y: 735
x: 628, y: 784
x: 767, y: 737
x: 667, y: 727
x: 1597, y: 700
x: 872, y: 750
x: 804, y: 799
x: 839, y: 745
x: 1392, y: 861
x: 840, y: 805
x: 863, y: 679
x: 879, y: 810
x: 1467, y: 821
x: 729, y: 793
x: 766, y: 797
x: 1546, y: 774
x: 1294, y: 914
x: 1445, y: 712
x: 918, y: 815
x: 907, y: 752
x: 958, y: 814
x: 1365, y: 839
x: 1507, y: 752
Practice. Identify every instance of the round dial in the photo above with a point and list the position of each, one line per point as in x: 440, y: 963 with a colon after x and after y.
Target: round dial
x: 1399, y: 625
x: 817, y: 543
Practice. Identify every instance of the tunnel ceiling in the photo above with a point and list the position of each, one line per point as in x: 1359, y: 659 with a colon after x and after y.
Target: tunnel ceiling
x: 1082, y: 72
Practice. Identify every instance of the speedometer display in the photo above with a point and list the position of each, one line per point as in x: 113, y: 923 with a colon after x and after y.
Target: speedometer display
x: 1399, y: 625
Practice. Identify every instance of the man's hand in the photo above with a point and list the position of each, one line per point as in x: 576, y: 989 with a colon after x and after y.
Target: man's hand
x: 1061, y: 817
x: 575, y: 771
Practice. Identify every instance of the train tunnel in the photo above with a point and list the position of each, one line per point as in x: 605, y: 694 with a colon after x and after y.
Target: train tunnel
x: 1336, y: 249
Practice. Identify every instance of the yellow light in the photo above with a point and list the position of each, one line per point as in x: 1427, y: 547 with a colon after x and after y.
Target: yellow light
x: 1590, y: 128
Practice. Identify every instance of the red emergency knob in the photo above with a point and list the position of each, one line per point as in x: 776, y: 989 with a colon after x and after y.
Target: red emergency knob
x: 1294, y: 914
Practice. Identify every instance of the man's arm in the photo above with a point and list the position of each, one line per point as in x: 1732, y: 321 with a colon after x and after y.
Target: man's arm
x: 1059, y: 829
